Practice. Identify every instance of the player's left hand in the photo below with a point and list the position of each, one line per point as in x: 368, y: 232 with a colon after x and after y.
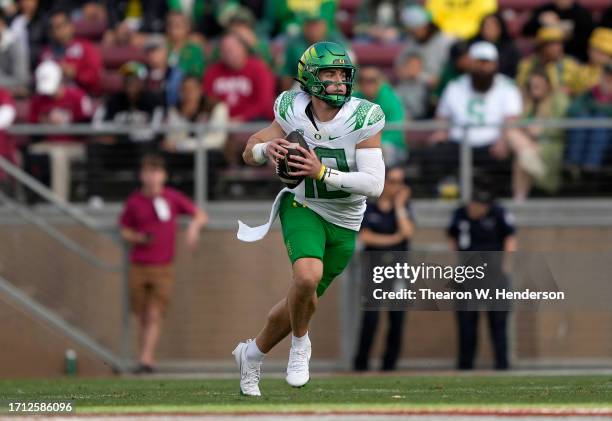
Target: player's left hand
x: 307, y: 165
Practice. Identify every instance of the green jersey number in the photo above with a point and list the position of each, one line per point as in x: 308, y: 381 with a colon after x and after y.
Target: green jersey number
x: 341, y: 164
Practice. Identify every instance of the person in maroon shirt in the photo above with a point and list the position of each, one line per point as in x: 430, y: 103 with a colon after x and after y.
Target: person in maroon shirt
x: 244, y: 82
x: 148, y: 224
x: 8, y: 112
x: 80, y: 60
x: 57, y: 104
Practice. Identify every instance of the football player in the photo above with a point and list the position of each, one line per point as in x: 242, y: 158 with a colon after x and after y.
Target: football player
x: 321, y: 217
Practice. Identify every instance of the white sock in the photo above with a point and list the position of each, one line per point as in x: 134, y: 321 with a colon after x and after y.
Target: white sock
x: 300, y: 342
x: 253, y: 353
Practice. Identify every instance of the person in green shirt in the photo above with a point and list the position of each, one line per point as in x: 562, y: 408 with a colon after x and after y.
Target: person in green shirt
x: 284, y: 17
x: 373, y: 87
x: 314, y: 29
x: 182, y: 53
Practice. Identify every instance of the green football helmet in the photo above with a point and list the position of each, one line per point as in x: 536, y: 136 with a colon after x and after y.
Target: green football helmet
x: 325, y: 55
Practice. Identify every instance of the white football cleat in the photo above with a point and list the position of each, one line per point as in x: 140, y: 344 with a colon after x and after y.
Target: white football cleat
x: 250, y: 372
x: 297, y: 367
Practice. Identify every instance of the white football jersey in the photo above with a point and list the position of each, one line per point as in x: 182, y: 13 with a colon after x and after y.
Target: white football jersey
x: 334, y: 143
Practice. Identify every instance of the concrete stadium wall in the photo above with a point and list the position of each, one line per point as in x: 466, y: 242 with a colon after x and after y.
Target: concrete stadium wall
x: 224, y: 290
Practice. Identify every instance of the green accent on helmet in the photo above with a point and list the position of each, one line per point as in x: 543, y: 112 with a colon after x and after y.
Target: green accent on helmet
x: 360, y: 114
x: 325, y: 55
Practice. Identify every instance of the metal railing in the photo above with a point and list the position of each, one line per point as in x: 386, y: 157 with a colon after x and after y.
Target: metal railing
x: 200, y: 168
x: 121, y: 360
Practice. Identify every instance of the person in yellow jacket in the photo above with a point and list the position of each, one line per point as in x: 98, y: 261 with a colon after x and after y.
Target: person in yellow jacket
x: 460, y: 18
x: 563, y: 71
x: 600, y: 53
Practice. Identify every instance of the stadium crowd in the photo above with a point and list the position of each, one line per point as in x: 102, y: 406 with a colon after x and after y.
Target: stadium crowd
x: 146, y: 63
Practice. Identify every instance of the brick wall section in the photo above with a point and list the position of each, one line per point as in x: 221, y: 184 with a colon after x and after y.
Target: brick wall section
x: 224, y: 290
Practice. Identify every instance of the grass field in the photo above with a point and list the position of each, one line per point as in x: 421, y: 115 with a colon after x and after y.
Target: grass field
x: 324, y: 394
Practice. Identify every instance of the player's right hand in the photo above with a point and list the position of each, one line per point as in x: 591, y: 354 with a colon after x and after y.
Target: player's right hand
x: 276, y: 149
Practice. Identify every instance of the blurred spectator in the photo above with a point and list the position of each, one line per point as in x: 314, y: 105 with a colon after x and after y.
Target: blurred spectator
x: 426, y: 40
x: 482, y: 97
x: 285, y: 17
x: 241, y: 81
x: 135, y: 107
x: 315, y: 29
x: 493, y: 29
x: 563, y: 71
x: 80, y: 60
x: 184, y: 54
x: 483, y: 225
x: 540, y: 102
x: 379, y: 20
x: 458, y: 64
x: 587, y: 147
x: 460, y: 19
x: 388, y: 225
x: 574, y: 20
x: 242, y: 23
x: 600, y: 53
x: 14, y: 61
x: 412, y: 86
x: 129, y: 20
x: 58, y: 104
x: 162, y: 79
x: 191, y: 109
x: 373, y: 87
x: 8, y: 112
x: 30, y: 26
x: 149, y: 224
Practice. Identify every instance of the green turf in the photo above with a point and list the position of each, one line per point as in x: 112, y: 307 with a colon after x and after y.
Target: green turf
x: 321, y: 394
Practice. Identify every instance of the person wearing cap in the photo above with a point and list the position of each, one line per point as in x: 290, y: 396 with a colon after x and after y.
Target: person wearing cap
x: 80, y: 60
x: 563, y: 71
x: 480, y: 97
x: 132, y: 106
x: 162, y: 79
x: 575, y: 21
x: 587, y: 148
x: 57, y: 104
x: 460, y: 19
x: 425, y: 39
x: 600, y: 53
x: 315, y: 28
x: 482, y: 225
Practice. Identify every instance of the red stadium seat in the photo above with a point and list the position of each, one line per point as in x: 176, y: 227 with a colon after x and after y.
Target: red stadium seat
x: 91, y: 30
x: 382, y: 55
x: 114, y: 57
